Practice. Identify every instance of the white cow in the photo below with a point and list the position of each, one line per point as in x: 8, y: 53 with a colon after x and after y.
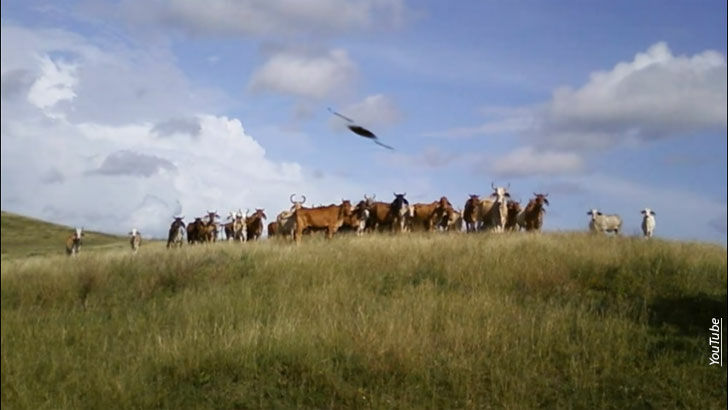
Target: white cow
x: 494, y: 210
x: 136, y: 240
x: 604, y: 223
x: 648, y: 222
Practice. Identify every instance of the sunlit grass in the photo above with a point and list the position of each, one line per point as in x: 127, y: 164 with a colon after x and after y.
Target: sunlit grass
x: 414, y: 321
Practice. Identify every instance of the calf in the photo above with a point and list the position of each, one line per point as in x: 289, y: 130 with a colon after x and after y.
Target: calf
x: 604, y: 223
x: 648, y: 222
x: 73, y: 242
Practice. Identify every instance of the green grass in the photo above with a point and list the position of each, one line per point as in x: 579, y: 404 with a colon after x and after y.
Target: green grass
x: 417, y: 321
x: 25, y: 237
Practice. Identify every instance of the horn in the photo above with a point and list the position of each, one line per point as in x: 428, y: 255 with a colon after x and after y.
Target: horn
x: 366, y: 198
x: 394, y: 193
x: 492, y: 185
x: 304, y: 199
x: 547, y: 194
x: 374, y: 196
x: 405, y: 194
x: 508, y: 186
x: 291, y: 198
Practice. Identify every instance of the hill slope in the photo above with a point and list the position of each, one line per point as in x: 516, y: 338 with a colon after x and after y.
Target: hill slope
x: 23, y: 237
x: 410, y: 321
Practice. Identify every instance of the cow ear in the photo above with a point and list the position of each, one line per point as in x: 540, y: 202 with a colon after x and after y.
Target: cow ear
x: 507, y: 195
x: 643, y: 212
x: 653, y: 213
x: 589, y: 213
x: 599, y: 213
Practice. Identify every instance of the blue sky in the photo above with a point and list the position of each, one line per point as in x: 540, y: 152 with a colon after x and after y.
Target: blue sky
x: 121, y: 114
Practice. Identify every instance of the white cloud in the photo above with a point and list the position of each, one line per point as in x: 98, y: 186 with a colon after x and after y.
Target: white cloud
x: 55, y: 83
x: 305, y: 75
x: 656, y: 95
x: 264, y: 17
x: 529, y: 161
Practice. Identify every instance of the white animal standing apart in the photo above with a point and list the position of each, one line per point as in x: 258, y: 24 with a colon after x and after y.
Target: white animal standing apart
x: 604, y: 223
x: 73, y: 242
x: 136, y: 240
x: 648, y: 222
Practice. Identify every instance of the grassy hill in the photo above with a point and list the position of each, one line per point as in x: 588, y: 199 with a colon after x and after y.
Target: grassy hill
x: 23, y: 237
x: 415, y: 321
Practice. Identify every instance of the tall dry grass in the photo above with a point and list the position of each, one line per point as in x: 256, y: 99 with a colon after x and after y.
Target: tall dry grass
x: 422, y: 321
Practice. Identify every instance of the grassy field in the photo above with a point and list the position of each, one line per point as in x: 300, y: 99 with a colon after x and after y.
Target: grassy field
x: 418, y: 321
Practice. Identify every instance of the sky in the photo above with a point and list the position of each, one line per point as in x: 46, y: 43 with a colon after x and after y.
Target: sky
x: 122, y: 114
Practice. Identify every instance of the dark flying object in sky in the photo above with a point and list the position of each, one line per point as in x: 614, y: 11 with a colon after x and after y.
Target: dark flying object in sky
x: 359, y: 130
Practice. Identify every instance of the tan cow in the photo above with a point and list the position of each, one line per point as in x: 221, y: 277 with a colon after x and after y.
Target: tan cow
x: 329, y: 217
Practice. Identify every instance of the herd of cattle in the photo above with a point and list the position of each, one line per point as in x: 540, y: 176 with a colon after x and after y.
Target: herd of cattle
x: 495, y: 213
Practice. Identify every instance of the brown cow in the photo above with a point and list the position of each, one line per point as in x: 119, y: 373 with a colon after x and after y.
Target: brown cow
x: 255, y: 224
x: 73, y: 242
x: 330, y: 217
x: 272, y: 229
x: 471, y: 213
x: 430, y: 216
x: 531, y: 217
x: 514, y: 207
x: 195, y: 231
x: 209, y: 231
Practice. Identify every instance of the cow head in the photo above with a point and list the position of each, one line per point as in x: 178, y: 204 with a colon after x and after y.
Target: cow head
x: 500, y: 193
x: 346, y: 207
x: 594, y: 213
x: 297, y: 204
x: 361, y: 210
x: 540, y: 199
x: 133, y: 232
x: 444, y: 203
x: 514, y: 206
x: 369, y: 201
x: 259, y: 213
x: 400, y: 204
x: 648, y: 211
x: 78, y: 233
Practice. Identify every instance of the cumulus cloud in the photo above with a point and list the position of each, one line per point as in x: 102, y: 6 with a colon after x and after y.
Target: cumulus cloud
x: 656, y: 95
x: 55, y: 83
x: 264, y: 17
x: 303, y: 74
x: 529, y: 160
